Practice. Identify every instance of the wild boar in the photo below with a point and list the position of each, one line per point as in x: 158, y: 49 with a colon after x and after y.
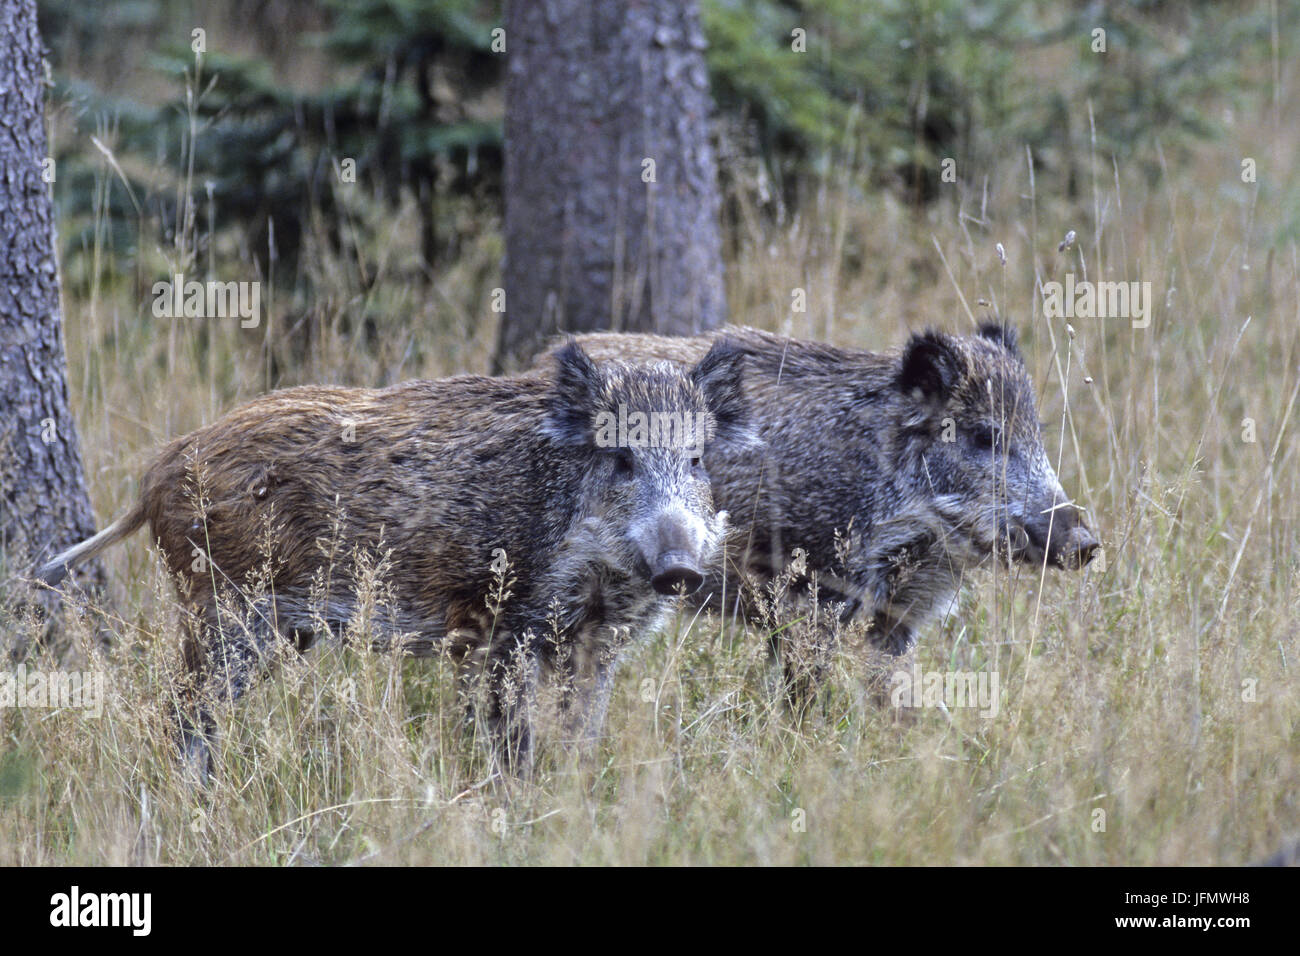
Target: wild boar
x: 272, y: 509
x: 893, y: 472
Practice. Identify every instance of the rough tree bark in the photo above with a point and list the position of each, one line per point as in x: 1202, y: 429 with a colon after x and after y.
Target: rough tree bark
x: 43, y: 501
x: 594, y: 89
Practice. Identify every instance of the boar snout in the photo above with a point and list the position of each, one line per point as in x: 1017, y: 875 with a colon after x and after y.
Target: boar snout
x: 1078, y: 549
x: 674, y: 549
x: 673, y: 570
x: 1060, y: 534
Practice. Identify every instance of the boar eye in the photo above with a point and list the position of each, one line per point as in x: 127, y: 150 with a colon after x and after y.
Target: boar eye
x: 697, y: 463
x: 984, y: 437
x: 623, y: 464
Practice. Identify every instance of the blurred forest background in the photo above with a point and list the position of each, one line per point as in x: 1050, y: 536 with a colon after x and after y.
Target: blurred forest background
x: 228, y: 165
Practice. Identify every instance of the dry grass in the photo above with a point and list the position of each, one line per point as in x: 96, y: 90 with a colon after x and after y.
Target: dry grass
x: 1123, y: 686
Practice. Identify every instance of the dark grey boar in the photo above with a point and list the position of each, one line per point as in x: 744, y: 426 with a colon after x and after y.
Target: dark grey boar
x: 448, y: 478
x: 925, y: 460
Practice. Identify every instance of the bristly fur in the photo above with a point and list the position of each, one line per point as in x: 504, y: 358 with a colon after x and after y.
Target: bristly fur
x: 1004, y: 334
x: 928, y: 459
x: 446, y: 478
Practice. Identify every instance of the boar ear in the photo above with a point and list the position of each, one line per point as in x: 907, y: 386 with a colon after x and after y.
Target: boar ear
x: 720, y: 375
x: 931, y: 366
x: 1005, y: 335
x: 573, y: 398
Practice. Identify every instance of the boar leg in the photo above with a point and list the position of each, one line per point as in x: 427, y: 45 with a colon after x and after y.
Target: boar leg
x: 587, y: 701
x: 512, y: 676
x: 195, y: 727
x: 223, y: 655
x: 890, y: 634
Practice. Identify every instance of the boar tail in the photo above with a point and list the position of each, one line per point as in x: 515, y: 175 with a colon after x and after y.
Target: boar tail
x: 57, y: 568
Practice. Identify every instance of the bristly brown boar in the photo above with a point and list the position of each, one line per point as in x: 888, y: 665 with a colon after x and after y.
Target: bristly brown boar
x: 448, y: 478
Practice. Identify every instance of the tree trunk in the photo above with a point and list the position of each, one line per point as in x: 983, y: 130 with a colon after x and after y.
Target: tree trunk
x: 43, y: 502
x: 611, y: 194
